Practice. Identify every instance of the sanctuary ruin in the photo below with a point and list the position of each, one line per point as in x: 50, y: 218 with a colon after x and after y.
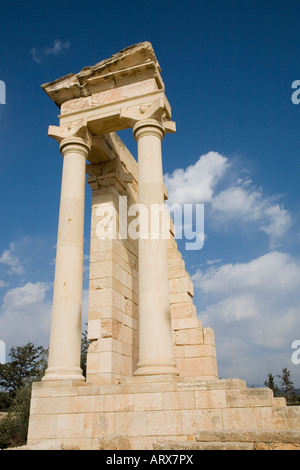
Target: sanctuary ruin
x: 151, y: 380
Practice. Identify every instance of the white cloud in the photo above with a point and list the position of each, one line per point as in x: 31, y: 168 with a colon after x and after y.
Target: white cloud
x: 26, y: 296
x: 213, y: 261
x: 26, y: 311
x: 240, y: 202
x: 86, y: 263
x: 236, y: 201
x: 257, y: 303
x: 25, y: 315
x: 196, y: 183
x: 35, y: 54
x: 58, y: 48
x: 10, y: 259
x: 278, y: 220
x: 273, y: 271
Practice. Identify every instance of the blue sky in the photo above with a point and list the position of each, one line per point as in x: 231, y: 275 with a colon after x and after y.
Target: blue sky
x: 228, y: 67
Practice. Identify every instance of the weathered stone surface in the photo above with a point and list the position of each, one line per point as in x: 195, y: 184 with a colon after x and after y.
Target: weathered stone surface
x: 51, y: 444
x: 77, y: 85
x: 204, y: 446
x: 111, y: 443
x: 292, y: 436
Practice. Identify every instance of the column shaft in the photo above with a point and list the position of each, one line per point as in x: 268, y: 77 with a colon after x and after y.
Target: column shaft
x: 155, y: 333
x: 65, y: 337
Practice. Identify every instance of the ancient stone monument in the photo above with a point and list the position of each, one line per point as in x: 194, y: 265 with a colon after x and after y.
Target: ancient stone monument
x: 152, y: 379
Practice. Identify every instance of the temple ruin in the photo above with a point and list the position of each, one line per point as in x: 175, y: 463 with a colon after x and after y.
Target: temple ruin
x: 152, y: 379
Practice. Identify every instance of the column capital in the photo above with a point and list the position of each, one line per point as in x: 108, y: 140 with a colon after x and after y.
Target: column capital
x: 148, y: 127
x: 156, y: 113
x: 71, y: 131
x: 75, y: 144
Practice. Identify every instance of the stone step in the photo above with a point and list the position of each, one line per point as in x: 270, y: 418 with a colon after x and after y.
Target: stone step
x: 192, y: 445
x: 249, y: 436
x: 237, y: 440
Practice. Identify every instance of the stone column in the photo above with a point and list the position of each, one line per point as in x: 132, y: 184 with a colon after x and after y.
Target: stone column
x: 155, y: 333
x: 65, y: 337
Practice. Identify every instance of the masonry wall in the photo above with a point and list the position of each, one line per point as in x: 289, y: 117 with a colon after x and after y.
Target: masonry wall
x: 144, y: 414
x: 113, y: 289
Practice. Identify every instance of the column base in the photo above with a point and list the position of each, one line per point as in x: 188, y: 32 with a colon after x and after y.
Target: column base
x: 63, y: 373
x: 156, y: 368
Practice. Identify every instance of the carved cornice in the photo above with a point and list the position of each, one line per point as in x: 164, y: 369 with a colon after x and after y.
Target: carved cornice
x: 122, y: 67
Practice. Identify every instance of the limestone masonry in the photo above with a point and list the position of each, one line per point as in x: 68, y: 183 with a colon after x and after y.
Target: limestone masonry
x: 152, y: 379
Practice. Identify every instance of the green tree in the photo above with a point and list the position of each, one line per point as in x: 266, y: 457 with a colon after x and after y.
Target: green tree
x: 27, y: 364
x: 84, y: 348
x: 270, y: 383
x: 14, y: 427
x: 287, y: 386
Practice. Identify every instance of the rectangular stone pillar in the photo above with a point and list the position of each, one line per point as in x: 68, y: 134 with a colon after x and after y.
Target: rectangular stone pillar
x: 113, y: 290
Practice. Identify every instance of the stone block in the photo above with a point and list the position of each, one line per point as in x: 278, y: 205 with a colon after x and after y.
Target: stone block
x: 208, y: 335
x: 173, y: 445
x: 210, y: 399
x: 185, y: 323
x: 166, y: 423
x: 131, y: 308
x: 175, y: 260
x: 70, y: 425
x: 178, y: 352
x: 192, y: 420
x: 198, y: 367
x: 184, y: 400
x: 241, y: 418
x: 258, y: 435
x: 199, y: 350
x: 42, y: 427
x: 128, y: 365
x: 131, y: 423
x: 279, y: 401
x: 110, y: 328
x: 276, y: 446
x: 148, y: 401
x: 94, y: 329
x: 176, y: 272
x: 88, y: 404
x: 127, y: 334
x: 190, y: 336
x: 181, y: 284
x: 106, y: 297
x: 117, y: 403
x: 249, y: 397
x: 110, y: 362
x: 99, y: 424
x: 56, y: 405
x: 180, y: 298
x: 34, y: 407
x: 114, y: 442
x: 182, y: 310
